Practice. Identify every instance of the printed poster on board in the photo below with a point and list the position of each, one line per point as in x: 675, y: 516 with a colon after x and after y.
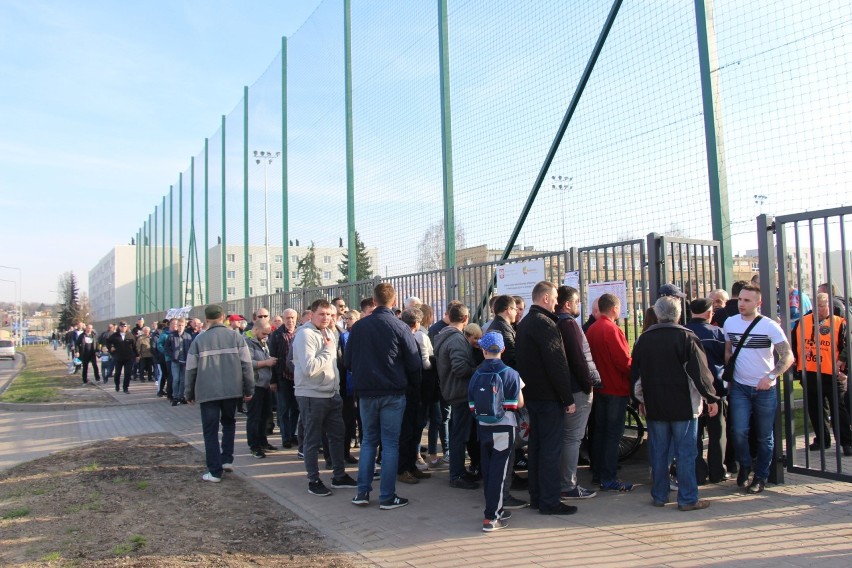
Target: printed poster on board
x: 519, y: 279
x: 615, y: 287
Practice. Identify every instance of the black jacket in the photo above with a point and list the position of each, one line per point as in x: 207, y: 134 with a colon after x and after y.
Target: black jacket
x: 541, y: 359
x: 456, y: 364
x: 279, y: 343
x: 713, y: 340
x: 584, y: 373
x: 505, y: 329
x: 668, y: 357
x: 123, y: 349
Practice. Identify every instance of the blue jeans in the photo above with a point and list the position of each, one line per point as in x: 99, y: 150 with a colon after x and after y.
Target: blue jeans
x: 288, y: 410
x: 461, y: 422
x: 177, y: 380
x: 381, y: 419
x: 609, y: 413
x: 438, y: 428
x: 212, y: 413
x: 682, y: 436
x: 545, y: 451
x: 745, y: 401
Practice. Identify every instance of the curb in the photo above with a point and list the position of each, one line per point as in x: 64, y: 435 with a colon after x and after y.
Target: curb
x: 15, y: 372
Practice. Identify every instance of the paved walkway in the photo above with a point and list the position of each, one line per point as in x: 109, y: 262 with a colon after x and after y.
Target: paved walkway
x: 804, y: 522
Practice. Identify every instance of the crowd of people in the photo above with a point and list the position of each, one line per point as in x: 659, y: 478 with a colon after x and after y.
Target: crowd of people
x: 520, y: 393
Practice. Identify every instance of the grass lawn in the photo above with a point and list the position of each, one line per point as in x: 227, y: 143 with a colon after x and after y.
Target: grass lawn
x: 40, y: 381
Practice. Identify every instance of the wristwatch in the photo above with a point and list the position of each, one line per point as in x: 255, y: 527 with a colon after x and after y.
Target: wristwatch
x: 771, y: 376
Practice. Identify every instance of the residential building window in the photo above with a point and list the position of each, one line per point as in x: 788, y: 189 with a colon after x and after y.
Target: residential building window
x: 251, y: 257
x: 263, y: 266
x: 251, y: 291
x: 279, y: 274
x: 279, y: 290
x: 326, y: 275
x: 232, y: 291
x: 294, y: 274
x: 295, y: 258
x: 279, y: 258
x: 326, y: 259
x: 231, y: 257
x: 251, y: 274
x: 232, y: 274
x: 263, y: 283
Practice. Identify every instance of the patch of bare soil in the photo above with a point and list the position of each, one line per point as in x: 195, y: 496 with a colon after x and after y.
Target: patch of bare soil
x: 140, y: 502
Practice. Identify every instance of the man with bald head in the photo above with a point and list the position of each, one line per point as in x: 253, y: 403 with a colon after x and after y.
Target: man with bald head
x: 280, y: 342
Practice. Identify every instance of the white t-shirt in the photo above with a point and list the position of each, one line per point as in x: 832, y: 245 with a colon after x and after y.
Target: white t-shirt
x: 756, y: 359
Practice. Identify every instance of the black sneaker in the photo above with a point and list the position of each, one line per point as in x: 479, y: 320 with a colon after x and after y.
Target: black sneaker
x: 345, y: 481
x: 757, y: 485
x: 504, y: 514
x: 269, y: 448
x: 462, y: 483
x: 287, y: 445
x: 318, y: 488
x: 847, y: 451
x: 350, y: 459
x: 258, y: 453
x: 394, y: 502
x: 561, y: 509
x: 742, y: 476
x: 362, y: 499
x: 300, y: 454
x: 514, y: 503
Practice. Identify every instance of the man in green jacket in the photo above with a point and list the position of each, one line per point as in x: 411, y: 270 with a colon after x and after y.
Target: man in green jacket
x: 218, y: 373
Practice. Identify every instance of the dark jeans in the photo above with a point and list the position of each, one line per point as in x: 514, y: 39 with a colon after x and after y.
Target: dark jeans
x: 165, y: 378
x: 545, y: 451
x: 461, y: 421
x: 258, y: 414
x: 609, y: 412
x: 713, y: 468
x: 90, y: 359
x: 212, y: 413
x: 107, y: 368
x: 146, y: 368
x: 350, y: 422
x: 438, y: 427
x: 125, y: 366
x: 820, y: 394
x: 322, y: 416
x: 288, y: 410
x: 497, y: 443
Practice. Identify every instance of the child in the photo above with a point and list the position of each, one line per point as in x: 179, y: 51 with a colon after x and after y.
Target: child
x: 494, y: 393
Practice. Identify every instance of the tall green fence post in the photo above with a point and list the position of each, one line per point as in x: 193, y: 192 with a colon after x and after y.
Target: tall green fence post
x: 181, y: 287
x: 245, y: 193
x: 206, y: 225
x: 171, y: 247
x: 446, y: 151
x: 350, y: 165
x: 193, y: 248
x: 163, y: 276
x: 156, y: 257
x: 711, y: 97
x: 285, y: 213
x: 224, y: 234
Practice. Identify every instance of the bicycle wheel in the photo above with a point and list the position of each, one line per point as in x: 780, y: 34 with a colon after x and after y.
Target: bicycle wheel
x: 634, y: 434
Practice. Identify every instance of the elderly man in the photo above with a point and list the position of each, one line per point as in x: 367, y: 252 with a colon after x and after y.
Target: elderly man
x: 671, y: 379
x: 218, y: 374
x: 542, y: 363
x: 280, y: 343
x: 87, y: 347
x: 259, y: 410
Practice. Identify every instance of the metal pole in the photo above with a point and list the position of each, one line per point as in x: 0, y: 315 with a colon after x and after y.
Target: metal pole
x: 193, y: 251
x: 163, y: 240
x: 285, y: 227
x: 350, y: 165
x: 266, y: 225
x: 447, y: 150
x: 181, y: 287
x: 171, y: 247
x: 712, y: 103
x: 245, y: 195
x: 206, y: 297
x: 224, y: 233
x: 156, y: 257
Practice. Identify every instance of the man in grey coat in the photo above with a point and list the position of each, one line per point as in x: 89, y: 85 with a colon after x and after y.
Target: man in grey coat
x: 218, y: 374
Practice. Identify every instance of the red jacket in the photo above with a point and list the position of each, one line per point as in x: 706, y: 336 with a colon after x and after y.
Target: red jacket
x: 611, y: 355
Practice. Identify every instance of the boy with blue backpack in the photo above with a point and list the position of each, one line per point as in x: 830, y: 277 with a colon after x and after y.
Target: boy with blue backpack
x: 494, y: 393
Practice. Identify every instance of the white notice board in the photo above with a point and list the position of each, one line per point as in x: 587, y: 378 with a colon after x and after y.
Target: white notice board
x: 519, y: 279
x: 616, y: 287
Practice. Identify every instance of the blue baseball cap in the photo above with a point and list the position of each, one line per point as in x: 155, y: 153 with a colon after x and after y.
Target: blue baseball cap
x: 492, y: 342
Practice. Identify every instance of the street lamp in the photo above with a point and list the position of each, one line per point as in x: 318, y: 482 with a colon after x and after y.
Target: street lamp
x: 759, y: 200
x: 563, y: 185
x: 266, y: 158
x: 19, y: 293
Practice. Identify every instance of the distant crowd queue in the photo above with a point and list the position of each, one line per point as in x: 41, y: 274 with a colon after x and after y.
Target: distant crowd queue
x: 523, y: 393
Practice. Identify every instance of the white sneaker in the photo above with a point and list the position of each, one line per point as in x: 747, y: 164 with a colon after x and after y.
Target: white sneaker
x: 228, y: 466
x: 211, y: 478
x: 421, y: 464
x: 438, y: 464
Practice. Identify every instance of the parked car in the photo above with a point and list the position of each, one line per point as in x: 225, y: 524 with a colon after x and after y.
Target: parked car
x: 7, y: 349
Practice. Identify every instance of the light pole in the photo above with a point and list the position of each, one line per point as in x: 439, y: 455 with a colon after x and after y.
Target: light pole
x: 19, y: 291
x: 759, y: 200
x: 266, y: 158
x: 563, y: 185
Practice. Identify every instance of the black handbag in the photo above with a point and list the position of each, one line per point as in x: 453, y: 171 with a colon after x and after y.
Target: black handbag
x: 728, y: 372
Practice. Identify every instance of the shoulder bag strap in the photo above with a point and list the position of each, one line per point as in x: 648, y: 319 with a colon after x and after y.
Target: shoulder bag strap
x: 742, y: 340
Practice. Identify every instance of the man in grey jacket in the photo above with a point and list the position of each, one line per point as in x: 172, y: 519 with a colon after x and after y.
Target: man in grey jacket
x: 218, y: 374
x: 317, y: 388
x: 259, y: 411
x: 454, y: 356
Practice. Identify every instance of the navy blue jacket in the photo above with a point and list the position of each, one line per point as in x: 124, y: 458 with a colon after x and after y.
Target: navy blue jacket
x: 382, y: 355
x: 713, y: 340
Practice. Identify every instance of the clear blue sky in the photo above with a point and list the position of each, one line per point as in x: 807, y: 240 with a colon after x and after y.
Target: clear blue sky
x: 102, y: 104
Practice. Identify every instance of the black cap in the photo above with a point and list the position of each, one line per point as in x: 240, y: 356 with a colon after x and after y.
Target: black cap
x: 700, y: 306
x: 671, y: 290
x: 213, y: 312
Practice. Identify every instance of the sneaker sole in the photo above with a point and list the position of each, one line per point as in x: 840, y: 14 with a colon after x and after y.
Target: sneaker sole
x: 320, y: 494
x: 353, y: 486
x: 389, y: 507
x: 361, y: 503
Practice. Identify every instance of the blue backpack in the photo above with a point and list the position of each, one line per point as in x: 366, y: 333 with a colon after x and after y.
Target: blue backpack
x: 486, y: 395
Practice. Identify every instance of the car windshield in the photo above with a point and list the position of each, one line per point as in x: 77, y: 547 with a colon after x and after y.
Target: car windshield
x: 5, y: 343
